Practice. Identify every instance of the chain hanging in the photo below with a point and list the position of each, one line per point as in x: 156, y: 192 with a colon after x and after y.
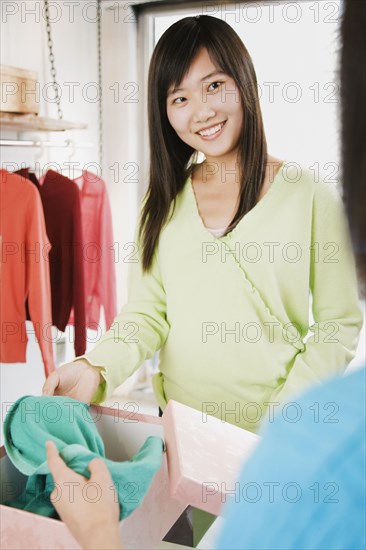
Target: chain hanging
x: 100, y: 103
x: 56, y: 87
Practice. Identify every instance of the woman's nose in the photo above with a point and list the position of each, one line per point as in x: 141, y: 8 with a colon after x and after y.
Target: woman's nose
x: 202, y: 111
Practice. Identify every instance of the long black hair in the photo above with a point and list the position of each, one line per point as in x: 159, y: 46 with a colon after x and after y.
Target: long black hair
x: 169, y: 155
x: 353, y: 114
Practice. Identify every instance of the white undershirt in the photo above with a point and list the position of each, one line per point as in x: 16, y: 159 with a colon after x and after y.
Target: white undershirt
x: 216, y: 232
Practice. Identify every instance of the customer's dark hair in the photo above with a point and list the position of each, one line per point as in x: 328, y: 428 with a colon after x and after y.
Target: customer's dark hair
x: 353, y: 116
x: 169, y: 155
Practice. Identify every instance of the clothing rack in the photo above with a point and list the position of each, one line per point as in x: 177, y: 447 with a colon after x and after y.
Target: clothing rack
x: 41, y: 143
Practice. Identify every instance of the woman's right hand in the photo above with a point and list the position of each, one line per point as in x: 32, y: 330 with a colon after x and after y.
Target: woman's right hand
x: 77, y: 380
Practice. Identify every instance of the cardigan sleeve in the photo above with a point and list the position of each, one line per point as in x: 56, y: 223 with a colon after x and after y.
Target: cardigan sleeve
x: 335, y: 305
x: 138, y: 331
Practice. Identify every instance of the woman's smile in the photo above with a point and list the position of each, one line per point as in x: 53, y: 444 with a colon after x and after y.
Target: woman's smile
x: 212, y: 132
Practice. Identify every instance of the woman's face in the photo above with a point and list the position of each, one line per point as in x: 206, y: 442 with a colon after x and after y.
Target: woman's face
x: 206, y: 99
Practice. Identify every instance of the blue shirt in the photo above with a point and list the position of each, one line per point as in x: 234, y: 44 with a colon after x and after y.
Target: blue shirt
x: 304, y: 486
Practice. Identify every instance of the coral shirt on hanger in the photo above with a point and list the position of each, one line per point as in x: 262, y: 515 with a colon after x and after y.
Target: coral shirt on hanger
x: 24, y: 271
x: 98, y: 251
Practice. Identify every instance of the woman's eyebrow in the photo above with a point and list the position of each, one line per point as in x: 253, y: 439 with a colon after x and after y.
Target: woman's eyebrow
x: 202, y: 80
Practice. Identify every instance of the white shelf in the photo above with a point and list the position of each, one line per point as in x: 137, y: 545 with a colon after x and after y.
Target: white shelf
x: 31, y: 122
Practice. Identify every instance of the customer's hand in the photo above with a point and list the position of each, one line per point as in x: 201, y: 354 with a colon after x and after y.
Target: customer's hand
x: 78, y: 380
x: 89, y: 507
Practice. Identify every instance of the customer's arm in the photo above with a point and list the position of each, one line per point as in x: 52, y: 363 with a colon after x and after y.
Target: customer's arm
x: 93, y: 523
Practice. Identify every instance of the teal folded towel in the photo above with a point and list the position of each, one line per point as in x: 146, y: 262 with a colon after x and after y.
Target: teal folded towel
x: 31, y: 421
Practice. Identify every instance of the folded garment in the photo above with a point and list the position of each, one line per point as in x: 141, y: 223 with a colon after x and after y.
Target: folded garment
x: 31, y: 421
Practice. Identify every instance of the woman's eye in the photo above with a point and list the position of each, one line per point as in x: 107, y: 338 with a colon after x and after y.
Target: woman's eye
x: 212, y: 84
x: 176, y: 100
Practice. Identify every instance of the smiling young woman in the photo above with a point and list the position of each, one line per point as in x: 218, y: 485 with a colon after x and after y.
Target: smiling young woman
x: 240, y: 240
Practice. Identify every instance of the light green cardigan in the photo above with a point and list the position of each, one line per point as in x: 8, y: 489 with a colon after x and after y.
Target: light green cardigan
x: 230, y: 315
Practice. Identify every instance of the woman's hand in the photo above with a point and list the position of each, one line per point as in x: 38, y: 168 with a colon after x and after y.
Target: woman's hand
x: 78, y: 380
x: 89, y: 507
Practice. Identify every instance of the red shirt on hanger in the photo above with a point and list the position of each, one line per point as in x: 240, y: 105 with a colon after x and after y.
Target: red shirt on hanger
x: 61, y: 203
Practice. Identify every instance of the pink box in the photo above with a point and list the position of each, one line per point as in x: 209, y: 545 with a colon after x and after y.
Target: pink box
x: 123, y: 434
x: 202, y: 463
x: 205, y: 456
